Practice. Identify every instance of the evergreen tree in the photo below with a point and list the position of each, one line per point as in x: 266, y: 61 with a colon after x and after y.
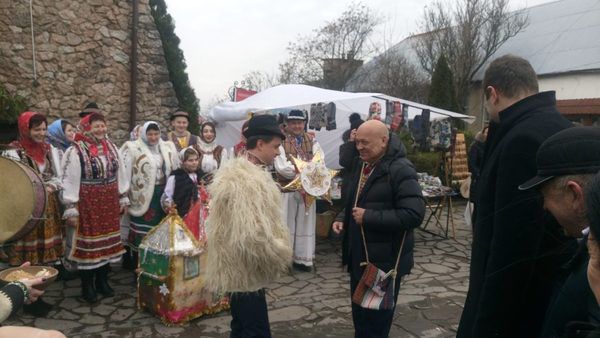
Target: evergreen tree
x: 11, y: 106
x: 176, y: 62
x: 441, y: 92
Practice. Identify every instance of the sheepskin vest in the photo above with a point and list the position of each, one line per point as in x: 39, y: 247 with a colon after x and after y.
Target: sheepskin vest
x: 143, y: 172
x: 249, y: 244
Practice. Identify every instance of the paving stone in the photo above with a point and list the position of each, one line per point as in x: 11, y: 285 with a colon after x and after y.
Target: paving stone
x: 82, y: 310
x: 103, y: 309
x: 310, y: 305
x: 405, y: 299
x: 93, y: 329
x: 344, y: 309
x: 299, y: 284
x: 330, y: 285
x: 418, y: 326
x: 217, y: 324
x: 56, y: 324
x: 331, y: 320
x: 286, y: 279
x: 315, y: 280
x: 122, y: 314
x: 64, y: 314
x: 445, y: 312
x: 92, y: 319
x: 437, y: 268
x: 284, y: 291
x: 166, y: 331
x: 290, y: 313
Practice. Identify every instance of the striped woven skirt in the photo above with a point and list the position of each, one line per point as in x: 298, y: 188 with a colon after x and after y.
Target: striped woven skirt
x: 139, y: 226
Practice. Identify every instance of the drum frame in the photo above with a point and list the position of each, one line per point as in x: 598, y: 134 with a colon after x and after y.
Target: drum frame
x: 39, y: 193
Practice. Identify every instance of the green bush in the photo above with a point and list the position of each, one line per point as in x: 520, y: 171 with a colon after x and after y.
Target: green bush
x: 426, y: 162
x: 469, y: 138
x: 10, y: 106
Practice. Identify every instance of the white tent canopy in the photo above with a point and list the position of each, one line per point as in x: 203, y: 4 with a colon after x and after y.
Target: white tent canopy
x: 230, y: 116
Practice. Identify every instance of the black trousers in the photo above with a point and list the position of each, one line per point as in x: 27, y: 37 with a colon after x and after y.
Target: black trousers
x: 250, y: 318
x: 372, y: 323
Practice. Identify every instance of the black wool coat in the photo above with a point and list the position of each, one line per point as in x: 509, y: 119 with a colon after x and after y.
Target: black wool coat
x: 573, y: 300
x: 394, y: 205
x: 518, y: 248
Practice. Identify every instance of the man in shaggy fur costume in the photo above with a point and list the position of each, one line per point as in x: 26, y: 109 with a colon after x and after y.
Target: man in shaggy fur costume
x: 249, y: 244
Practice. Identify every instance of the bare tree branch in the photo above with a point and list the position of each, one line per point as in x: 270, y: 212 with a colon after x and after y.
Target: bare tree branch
x: 343, y: 38
x: 468, y: 33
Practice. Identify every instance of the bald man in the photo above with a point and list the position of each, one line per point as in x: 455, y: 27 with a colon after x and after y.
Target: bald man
x: 388, y: 207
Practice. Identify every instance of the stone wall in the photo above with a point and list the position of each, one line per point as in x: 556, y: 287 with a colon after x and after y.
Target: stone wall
x: 82, y: 53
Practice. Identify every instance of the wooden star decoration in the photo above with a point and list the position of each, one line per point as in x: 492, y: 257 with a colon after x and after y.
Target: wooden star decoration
x: 314, y: 176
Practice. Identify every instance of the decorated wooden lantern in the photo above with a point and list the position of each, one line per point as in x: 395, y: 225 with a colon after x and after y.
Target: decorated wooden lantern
x: 171, y: 274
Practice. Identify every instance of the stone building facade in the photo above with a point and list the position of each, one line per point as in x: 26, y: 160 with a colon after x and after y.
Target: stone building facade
x: 82, y: 53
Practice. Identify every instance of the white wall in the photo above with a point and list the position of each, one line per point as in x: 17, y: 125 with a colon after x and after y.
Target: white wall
x: 572, y: 86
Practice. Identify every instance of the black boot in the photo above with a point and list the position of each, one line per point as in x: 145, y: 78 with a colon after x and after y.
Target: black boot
x: 87, y: 286
x: 127, y: 263
x: 64, y: 274
x: 39, y: 308
x: 102, y: 281
x: 135, y: 258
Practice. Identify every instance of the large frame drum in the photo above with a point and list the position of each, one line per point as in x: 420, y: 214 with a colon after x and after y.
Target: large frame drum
x: 22, y: 201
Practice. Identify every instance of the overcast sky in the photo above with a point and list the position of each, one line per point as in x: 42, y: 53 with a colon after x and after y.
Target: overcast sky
x: 224, y: 39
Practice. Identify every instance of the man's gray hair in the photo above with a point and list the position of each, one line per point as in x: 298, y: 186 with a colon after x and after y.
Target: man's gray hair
x: 560, y: 182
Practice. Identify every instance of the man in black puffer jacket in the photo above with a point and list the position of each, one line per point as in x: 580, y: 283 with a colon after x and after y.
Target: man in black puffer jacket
x: 389, y: 205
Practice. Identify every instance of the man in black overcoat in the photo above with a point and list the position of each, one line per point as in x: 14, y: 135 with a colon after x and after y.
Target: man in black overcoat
x: 518, y: 248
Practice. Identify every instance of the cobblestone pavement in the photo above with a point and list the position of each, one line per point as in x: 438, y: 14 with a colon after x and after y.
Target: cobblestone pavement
x: 300, y: 305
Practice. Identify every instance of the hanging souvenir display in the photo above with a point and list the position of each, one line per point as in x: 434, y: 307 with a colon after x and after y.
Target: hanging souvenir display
x: 398, y: 116
x: 318, y: 118
x: 171, y: 270
x: 313, y: 180
x: 440, y: 134
x: 389, y: 112
x: 374, y: 111
x: 331, y: 125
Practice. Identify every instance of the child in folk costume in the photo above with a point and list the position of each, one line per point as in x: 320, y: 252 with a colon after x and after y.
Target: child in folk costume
x: 181, y: 190
x: 148, y: 162
x: 94, y: 193
x: 212, y: 155
x: 179, y: 134
x: 43, y: 245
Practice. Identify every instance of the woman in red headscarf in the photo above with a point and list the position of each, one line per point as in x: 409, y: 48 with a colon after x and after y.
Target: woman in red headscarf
x: 43, y: 244
x: 94, y: 193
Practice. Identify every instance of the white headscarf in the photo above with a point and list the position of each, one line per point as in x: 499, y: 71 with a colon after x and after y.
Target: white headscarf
x: 144, y: 137
x: 182, y: 153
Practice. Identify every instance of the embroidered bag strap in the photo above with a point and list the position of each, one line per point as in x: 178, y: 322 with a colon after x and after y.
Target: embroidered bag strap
x: 361, y: 184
